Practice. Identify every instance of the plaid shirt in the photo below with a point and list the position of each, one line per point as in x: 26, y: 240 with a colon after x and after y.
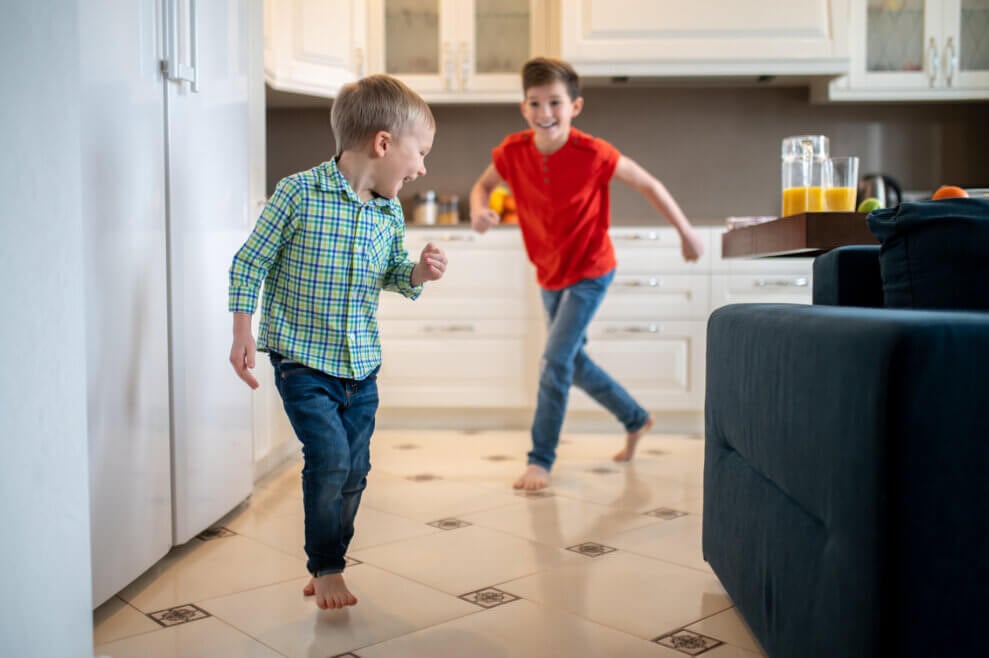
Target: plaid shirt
x: 324, y: 257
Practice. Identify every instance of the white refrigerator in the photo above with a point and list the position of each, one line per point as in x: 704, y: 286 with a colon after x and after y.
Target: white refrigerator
x: 165, y: 205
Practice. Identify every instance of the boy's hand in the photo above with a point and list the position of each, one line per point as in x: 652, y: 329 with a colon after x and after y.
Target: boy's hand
x: 431, y: 265
x: 484, y: 219
x: 691, y: 244
x: 243, y: 349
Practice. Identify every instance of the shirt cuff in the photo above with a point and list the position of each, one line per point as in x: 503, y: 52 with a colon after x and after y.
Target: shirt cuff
x: 403, y: 279
x: 242, y: 300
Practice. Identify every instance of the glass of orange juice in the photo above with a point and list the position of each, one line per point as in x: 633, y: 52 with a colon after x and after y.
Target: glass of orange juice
x: 840, y: 183
x: 803, y: 173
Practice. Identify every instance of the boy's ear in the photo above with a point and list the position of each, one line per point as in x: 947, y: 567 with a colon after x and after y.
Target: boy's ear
x: 578, y: 105
x: 381, y: 142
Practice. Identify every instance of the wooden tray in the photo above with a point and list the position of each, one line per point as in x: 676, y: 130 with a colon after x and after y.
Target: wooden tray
x: 806, y: 234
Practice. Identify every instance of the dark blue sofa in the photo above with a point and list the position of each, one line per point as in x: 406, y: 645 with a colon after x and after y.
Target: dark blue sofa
x: 846, y: 476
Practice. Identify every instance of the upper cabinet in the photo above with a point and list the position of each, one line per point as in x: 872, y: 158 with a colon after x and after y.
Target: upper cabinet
x: 917, y: 50
x: 314, y: 46
x: 457, y: 50
x: 704, y: 37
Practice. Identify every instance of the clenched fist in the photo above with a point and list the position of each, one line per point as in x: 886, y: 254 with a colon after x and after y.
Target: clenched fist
x: 431, y: 265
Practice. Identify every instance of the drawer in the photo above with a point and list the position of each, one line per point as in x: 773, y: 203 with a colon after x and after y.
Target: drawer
x: 661, y: 364
x: 432, y: 304
x: 442, y: 328
x: 638, y: 296
x: 646, y: 250
x: 764, y: 287
x: 782, y: 264
x: 474, y: 371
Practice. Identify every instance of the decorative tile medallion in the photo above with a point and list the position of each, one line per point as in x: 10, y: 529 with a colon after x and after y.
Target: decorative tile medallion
x: 488, y: 597
x: 601, y: 470
x: 540, y: 493
x: 591, y: 549
x: 180, y: 614
x: 423, y: 477
x: 406, y: 446
x: 350, y: 562
x: 215, y: 533
x: 665, y: 513
x: 688, y: 642
x: 498, y: 458
x: 448, y: 524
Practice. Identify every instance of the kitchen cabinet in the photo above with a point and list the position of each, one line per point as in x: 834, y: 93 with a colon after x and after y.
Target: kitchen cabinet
x: 457, y: 50
x: 704, y: 37
x: 463, y: 342
x: 916, y: 50
x: 314, y: 47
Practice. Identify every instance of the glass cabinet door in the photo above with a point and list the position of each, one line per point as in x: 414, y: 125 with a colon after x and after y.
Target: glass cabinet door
x: 895, y: 38
x: 967, y: 45
x: 501, y: 36
x: 412, y: 37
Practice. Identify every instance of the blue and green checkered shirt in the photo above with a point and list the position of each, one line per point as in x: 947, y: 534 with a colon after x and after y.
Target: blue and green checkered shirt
x: 324, y: 257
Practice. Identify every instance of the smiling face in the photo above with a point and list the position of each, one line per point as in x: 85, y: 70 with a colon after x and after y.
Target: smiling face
x: 549, y: 110
x: 402, y: 158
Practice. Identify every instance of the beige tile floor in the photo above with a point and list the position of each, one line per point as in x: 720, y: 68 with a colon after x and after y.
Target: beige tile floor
x: 244, y: 589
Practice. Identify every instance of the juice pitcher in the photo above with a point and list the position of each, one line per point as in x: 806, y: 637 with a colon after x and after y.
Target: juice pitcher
x: 803, y: 173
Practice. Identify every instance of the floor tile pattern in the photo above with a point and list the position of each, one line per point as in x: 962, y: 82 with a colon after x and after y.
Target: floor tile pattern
x: 448, y: 560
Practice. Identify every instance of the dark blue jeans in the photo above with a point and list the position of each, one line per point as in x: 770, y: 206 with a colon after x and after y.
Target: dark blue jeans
x: 565, y: 362
x: 333, y: 419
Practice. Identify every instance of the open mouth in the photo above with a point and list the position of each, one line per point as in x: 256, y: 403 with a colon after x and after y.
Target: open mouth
x: 546, y: 125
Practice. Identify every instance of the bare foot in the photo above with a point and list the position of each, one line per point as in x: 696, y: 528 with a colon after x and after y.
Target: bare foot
x: 330, y: 591
x: 534, y: 478
x: 631, y: 440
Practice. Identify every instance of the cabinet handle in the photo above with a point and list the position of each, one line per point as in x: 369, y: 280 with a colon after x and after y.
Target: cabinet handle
x: 359, y: 62
x: 932, y: 62
x: 650, y: 282
x: 464, y: 65
x: 458, y: 237
x: 174, y: 70
x: 651, y: 235
x: 798, y: 282
x: 634, y: 329
x: 448, y: 65
x: 952, y: 58
x: 449, y: 328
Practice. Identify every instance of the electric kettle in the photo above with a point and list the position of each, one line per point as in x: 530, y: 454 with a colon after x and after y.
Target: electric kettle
x: 878, y: 186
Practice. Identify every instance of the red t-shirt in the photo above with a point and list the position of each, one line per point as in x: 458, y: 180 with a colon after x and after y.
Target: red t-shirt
x: 563, y: 204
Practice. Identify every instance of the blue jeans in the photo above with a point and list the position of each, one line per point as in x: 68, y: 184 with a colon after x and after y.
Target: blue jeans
x: 565, y: 362
x: 334, y: 420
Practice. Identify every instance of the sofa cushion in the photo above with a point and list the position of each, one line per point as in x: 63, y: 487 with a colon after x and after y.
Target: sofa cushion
x: 934, y: 253
x: 848, y: 276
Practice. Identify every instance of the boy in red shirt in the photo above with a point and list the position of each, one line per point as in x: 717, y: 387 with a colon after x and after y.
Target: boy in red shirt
x: 559, y: 177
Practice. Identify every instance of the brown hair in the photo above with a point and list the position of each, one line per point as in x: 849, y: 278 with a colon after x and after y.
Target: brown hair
x: 377, y: 102
x: 547, y: 70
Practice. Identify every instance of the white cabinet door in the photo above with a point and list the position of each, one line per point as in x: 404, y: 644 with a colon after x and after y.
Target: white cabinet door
x: 457, y: 50
x: 314, y: 46
x: 916, y: 50
x: 774, y: 288
x: 704, y: 37
x: 661, y: 364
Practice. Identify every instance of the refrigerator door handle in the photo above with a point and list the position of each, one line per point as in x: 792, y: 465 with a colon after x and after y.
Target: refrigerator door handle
x: 173, y: 68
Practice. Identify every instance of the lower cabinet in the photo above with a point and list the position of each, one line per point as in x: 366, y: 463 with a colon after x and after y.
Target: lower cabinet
x: 474, y: 338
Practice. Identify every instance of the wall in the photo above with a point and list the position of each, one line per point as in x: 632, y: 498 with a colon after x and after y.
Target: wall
x: 44, y: 481
x: 715, y: 148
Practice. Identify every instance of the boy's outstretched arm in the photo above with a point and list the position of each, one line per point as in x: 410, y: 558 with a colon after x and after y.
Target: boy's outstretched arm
x: 633, y: 175
x: 481, y: 216
x: 243, y: 349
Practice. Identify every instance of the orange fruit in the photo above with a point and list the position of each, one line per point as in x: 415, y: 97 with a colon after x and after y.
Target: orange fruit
x: 949, y: 192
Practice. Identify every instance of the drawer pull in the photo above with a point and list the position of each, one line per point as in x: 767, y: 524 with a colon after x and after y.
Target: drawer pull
x: 651, y: 282
x: 449, y: 328
x: 797, y: 282
x: 634, y: 329
x: 651, y: 235
x: 458, y: 237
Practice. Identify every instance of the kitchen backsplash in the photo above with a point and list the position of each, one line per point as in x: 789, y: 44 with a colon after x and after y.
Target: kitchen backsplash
x: 716, y: 149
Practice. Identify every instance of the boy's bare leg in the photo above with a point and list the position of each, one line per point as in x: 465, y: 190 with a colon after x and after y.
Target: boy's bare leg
x: 330, y: 591
x: 631, y: 440
x: 534, y: 478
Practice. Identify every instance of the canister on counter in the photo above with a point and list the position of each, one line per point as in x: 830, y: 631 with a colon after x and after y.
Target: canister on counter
x: 449, y: 209
x: 424, y: 209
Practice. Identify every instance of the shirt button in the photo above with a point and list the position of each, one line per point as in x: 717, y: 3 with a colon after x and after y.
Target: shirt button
x: 545, y: 180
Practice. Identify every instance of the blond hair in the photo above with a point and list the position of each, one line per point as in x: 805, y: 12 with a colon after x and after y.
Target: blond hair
x: 541, y: 71
x: 375, y: 103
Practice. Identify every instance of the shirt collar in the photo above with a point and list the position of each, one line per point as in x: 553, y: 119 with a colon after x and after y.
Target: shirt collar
x: 330, y: 179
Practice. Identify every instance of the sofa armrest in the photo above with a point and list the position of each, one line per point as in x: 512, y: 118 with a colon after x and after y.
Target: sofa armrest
x: 864, y: 434
x: 848, y: 276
